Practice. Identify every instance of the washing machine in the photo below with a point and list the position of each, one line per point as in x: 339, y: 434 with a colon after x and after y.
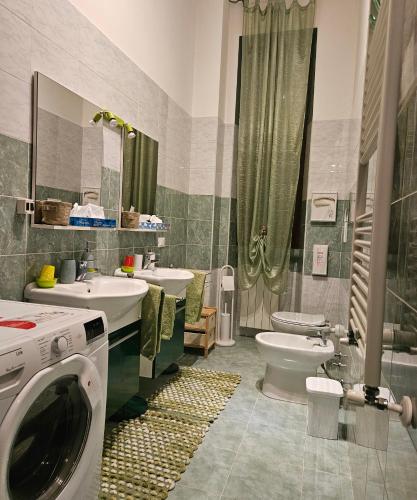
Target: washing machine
x: 53, y: 386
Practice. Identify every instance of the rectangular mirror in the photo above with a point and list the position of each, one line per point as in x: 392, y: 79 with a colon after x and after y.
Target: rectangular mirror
x: 140, y: 172
x: 73, y: 160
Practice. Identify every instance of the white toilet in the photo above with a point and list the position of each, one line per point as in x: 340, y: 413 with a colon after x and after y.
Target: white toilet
x: 298, y: 323
x: 290, y: 359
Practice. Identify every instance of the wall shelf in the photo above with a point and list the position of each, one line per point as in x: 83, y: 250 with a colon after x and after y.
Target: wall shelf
x: 82, y: 228
x: 73, y: 228
x: 143, y: 230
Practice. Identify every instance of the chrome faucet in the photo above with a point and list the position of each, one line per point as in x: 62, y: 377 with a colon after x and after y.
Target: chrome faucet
x: 82, y: 270
x: 149, y: 261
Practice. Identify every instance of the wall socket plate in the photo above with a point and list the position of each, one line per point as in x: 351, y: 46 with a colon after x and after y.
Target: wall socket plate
x: 161, y: 241
x: 25, y: 206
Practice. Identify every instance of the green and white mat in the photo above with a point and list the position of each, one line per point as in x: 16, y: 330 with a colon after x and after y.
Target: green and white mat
x: 145, y: 456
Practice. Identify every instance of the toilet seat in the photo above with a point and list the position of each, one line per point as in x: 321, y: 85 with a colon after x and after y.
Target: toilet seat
x: 301, y: 319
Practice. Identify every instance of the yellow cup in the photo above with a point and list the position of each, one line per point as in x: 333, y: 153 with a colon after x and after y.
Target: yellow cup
x: 47, y: 273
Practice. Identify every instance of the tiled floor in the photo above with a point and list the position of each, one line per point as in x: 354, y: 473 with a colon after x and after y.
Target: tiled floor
x: 259, y: 449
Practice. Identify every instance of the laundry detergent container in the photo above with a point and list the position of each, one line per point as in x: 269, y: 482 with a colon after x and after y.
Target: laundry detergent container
x: 298, y: 323
x: 323, y: 407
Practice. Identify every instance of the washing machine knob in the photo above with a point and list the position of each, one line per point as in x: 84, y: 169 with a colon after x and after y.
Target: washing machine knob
x: 59, y: 345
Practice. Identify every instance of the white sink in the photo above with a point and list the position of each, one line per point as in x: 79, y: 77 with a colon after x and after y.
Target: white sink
x: 174, y: 281
x: 120, y: 299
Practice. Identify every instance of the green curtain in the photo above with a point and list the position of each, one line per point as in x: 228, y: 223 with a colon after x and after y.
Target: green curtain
x: 140, y: 170
x: 276, y: 47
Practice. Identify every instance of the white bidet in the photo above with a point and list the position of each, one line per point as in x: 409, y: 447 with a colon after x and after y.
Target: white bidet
x: 290, y: 359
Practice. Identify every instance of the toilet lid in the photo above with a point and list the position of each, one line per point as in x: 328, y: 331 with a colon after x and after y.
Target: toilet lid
x: 300, y: 318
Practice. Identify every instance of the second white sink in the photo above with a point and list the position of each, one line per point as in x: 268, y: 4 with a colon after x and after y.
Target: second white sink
x: 174, y: 281
x: 120, y: 299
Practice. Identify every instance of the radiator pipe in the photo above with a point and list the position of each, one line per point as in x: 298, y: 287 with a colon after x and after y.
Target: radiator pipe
x: 369, y: 396
x: 383, y: 191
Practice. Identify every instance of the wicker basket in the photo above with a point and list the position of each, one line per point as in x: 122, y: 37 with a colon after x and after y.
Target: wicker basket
x: 56, y: 213
x: 38, y: 211
x: 130, y: 220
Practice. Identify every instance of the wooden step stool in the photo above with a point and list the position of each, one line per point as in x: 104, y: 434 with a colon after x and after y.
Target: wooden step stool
x: 202, y: 335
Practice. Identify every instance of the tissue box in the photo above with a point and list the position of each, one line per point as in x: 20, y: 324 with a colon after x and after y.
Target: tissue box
x: 92, y: 222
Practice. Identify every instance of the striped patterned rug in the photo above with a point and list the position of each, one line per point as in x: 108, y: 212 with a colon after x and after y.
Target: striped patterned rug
x: 145, y: 456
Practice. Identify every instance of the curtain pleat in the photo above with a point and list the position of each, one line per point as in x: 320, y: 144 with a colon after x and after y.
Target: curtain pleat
x: 276, y: 48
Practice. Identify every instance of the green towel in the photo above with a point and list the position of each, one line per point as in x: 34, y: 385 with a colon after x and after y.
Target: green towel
x: 150, y: 333
x: 168, y: 316
x: 194, y: 297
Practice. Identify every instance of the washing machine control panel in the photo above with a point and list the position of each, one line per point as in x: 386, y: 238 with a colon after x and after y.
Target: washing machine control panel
x: 68, y: 340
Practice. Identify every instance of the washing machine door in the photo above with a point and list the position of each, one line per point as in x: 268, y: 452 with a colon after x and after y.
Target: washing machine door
x: 48, y: 438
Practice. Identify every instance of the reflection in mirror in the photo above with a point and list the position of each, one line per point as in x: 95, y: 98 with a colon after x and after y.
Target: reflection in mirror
x: 74, y: 161
x: 140, y: 171
x: 399, y: 361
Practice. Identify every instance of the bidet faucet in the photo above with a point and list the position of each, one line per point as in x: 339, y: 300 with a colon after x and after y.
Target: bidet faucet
x: 322, y: 334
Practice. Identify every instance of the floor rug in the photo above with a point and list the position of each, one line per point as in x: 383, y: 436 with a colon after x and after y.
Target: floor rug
x: 145, y: 456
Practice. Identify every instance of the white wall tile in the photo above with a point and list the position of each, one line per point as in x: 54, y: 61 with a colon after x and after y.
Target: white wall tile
x: 52, y: 61
x: 22, y: 8
x: 202, y: 181
x: 98, y: 91
x: 15, y: 39
x: 59, y: 21
x: 15, y: 107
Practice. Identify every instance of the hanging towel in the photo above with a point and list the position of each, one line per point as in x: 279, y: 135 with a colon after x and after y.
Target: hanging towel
x: 150, y: 334
x: 194, y: 297
x: 168, y: 316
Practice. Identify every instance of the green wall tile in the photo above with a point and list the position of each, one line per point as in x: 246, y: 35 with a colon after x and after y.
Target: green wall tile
x: 178, y: 233
x: 224, y: 208
x: 199, y: 232
x: 177, y: 255
x: 198, y: 257
x: 49, y: 240
x: 12, y: 228
x: 34, y: 263
x: 14, y: 167
x: 200, y: 207
x: 12, y: 277
x: 178, y: 205
x: 98, y: 240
